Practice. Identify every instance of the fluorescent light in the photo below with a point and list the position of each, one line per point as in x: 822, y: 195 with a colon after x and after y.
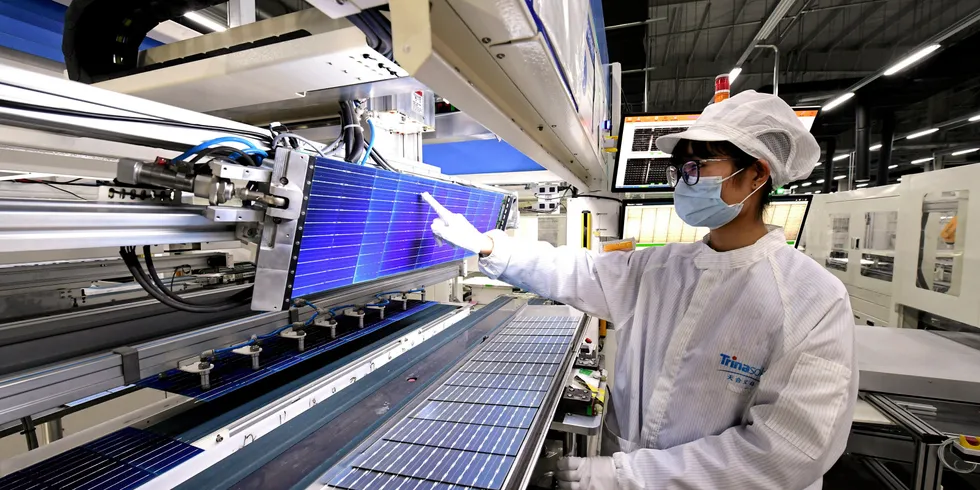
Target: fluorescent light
x: 794, y: 186
x: 842, y: 157
x: 807, y: 184
x: 974, y: 118
x: 875, y: 147
x: 892, y: 166
x: 862, y: 185
x: 732, y: 75
x: 840, y: 177
x: 816, y: 192
x: 818, y: 164
x: 821, y: 181
x: 838, y: 101
x: 922, y: 133
x: 909, y: 60
x: 964, y: 152
x: 204, y: 21
x: 921, y: 160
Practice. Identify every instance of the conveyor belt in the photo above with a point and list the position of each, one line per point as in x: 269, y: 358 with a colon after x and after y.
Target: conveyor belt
x: 468, y: 431
x: 122, y: 460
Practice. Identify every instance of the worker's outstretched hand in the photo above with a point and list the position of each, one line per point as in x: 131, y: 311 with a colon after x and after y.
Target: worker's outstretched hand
x: 454, y: 228
x: 586, y: 473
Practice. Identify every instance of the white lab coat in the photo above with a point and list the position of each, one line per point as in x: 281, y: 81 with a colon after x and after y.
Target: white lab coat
x: 734, y: 369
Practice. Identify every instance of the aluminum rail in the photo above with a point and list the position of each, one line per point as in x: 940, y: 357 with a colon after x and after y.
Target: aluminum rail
x: 30, y: 225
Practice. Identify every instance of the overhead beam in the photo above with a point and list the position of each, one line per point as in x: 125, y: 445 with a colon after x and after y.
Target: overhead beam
x: 813, y: 36
x: 728, y: 33
x: 697, y: 35
x: 854, y: 25
x: 813, y: 62
x: 635, y: 24
x: 770, y: 24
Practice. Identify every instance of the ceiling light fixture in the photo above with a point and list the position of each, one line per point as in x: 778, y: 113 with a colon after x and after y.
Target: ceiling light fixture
x: 922, y: 133
x: 840, y: 177
x: 842, y: 157
x: 807, y: 184
x: 838, y: 101
x: 816, y: 192
x: 821, y: 181
x: 875, y: 147
x: 732, y: 75
x: 794, y: 186
x: 862, y: 185
x: 910, y: 59
x: 892, y: 167
x: 974, y: 118
x: 964, y: 152
x: 204, y: 21
x: 921, y: 160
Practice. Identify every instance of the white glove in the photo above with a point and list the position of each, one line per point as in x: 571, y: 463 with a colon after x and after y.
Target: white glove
x: 597, y: 473
x: 454, y: 228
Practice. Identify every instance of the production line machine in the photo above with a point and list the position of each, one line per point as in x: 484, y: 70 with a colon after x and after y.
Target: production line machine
x: 324, y: 361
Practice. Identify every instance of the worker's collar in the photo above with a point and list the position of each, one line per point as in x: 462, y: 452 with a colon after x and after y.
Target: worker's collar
x: 741, y: 257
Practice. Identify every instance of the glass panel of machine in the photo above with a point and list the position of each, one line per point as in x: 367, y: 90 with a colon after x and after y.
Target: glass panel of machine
x: 941, y: 242
x: 839, y: 230
x: 655, y: 223
x: 364, y: 223
x: 878, y: 245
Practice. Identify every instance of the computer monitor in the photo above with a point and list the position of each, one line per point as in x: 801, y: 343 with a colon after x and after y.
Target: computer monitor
x: 641, y: 166
x: 653, y: 222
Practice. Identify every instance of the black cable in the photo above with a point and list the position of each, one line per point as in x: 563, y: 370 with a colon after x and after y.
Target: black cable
x: 143, y: 120
x: 185, y: 268
x: 600, y: 197
x: 128, y: 255
x: 346, y: 119
x: 60, y: 189
x: 225, y: 151
x: 238, y: 299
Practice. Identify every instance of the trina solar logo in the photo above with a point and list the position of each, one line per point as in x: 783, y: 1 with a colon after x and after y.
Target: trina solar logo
x: 740, y: 372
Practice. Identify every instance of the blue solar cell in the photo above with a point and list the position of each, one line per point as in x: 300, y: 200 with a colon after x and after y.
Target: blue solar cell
x: 437, y: 464
x: 452, y: 435
x: 488, y: 396
x: 364, y: 223
x: 518, y: 357
x: 356, y: 479
x: 563, y: 332
x: 487, y: 380
x: 517, y: 417
x: 122, y: 460
x: 526, y: 348
x: 531, y: 339
x: 510, y: 368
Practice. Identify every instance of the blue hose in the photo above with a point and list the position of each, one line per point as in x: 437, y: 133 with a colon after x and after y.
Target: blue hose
x: 370, y: 143
x: 333, y: 311
x: 224, y: 139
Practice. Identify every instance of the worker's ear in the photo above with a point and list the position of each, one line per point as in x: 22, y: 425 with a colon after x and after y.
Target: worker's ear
x: 762, y: 173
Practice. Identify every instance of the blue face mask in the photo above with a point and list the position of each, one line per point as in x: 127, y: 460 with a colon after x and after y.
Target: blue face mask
x: 701, y: 204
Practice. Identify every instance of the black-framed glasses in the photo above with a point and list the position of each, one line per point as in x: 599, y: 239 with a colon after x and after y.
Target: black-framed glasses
x: 688, y: 172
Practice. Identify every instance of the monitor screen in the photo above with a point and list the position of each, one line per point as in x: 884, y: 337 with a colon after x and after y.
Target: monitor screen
x: 641, y: 166
x: 653, y: 222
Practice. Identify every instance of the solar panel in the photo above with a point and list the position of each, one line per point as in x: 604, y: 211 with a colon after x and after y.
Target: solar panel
x: 362, y: 223
x: 118, y: 461
x: 469, y: 431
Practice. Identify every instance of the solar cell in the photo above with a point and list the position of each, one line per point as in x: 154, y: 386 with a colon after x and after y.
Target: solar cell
x: 487, y: 380
x: 121, y: 460
x: 470, y: 429
x: 364, y: 223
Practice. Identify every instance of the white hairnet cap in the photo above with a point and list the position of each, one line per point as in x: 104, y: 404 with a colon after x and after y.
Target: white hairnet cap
x: 762, y: 125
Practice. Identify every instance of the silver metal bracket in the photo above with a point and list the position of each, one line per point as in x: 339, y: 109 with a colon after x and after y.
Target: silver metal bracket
x: 297, y: 335
x: 356, y: 313
x: 199, y: 367
x: 250, y: 350
x: 328, y: 323
x: 380, y: 308
x: 240, y: 172
x: 231, y: 214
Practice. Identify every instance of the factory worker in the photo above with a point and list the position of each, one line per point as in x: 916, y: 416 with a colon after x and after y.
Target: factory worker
x: 736, y: 363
